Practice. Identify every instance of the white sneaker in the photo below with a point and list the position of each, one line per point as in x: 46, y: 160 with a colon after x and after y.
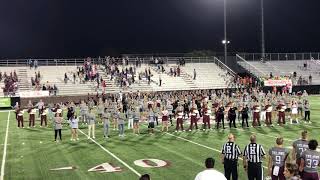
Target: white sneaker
x: 190, y: 130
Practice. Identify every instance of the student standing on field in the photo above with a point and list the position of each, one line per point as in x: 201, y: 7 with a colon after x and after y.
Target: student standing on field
x: 106, y: 115
x: 136, y: 119
x: 121, y: 120
x: 74, y: 127
x: 130, y: 117
x: 57, y: 127
x: 91, y: 118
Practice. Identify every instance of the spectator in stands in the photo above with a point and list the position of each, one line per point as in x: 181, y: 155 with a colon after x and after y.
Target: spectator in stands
x: 35, y: 64
x: 210, y: 173
x: 160, y: 80
x: 10, y: 84
x: 74, y: 77
x: 65, y: 78
x: 55, y: 89
x: 271, y: 76
x: 310, y: 79
x: 194, y: 74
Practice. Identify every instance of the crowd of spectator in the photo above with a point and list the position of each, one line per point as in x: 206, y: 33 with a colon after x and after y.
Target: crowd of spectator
x: 10, y: 83
x: 37, y: 85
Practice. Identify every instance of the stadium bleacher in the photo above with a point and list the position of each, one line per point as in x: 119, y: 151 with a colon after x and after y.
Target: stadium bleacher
x: 303, y: 68
x: 209, y: 76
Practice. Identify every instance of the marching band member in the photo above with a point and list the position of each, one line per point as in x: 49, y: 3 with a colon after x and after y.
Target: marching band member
x: 244, y: 115
x: 193, y: 112
x: 43, y: 116
x: 232, y: 115
x: 170, y: 109
x: 164, y: 118
x: 268, y: 108
x: 256, y: 115
x: 220, y: 115
x: 281, y: 113
x: 32, y: 112
x: 206, y: 117
x: 20, y: 117
x: 179, y: 114
x: 263, y: 111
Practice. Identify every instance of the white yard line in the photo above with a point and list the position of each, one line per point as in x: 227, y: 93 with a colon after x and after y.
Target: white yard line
x: 198, y: 144
x: 111, y: 154
x: 5, y: 149
x: 287, y: 139
x: 264, y: 134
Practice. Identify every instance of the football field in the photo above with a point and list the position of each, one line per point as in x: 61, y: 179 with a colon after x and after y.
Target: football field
x: 32, y: 154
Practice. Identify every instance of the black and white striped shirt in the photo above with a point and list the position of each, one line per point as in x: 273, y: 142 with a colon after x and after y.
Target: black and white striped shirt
x: 231, y: 151
x: 254, y: 153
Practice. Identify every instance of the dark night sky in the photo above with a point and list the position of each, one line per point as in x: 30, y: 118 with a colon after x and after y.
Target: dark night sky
x: 70, y: 28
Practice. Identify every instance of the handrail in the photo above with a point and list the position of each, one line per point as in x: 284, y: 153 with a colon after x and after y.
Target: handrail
x: 225, y: 66
x: 275, y: 68
x: 242, y: 59
x: 80, y: 61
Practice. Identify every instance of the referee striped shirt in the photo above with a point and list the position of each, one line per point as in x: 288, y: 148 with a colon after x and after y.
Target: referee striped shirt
x: 231, y: 151
x: 254, y: 153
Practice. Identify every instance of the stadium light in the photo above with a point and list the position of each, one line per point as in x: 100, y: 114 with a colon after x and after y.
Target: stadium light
x: 262, y: 31
x: 224, y: 41
x: 225, y: 31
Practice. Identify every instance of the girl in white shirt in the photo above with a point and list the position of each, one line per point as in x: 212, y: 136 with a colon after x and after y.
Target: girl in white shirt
x: 74, y: 124
x: 294, y: 112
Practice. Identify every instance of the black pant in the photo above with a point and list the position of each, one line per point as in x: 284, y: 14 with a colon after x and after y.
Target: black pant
x: 170, y: 116
x: 200, y: 114
x: 231, y: 167
x: 56, y: 133
x: 156, y: 118
x: 255, y: 171
x: 220, y: 118
x: 244, y: 119
x: 232, y: 120
x: 307, y: 113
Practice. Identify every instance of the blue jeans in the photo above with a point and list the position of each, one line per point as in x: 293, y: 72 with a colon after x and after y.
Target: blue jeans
x: 106, y: 130
x: 121, y: 129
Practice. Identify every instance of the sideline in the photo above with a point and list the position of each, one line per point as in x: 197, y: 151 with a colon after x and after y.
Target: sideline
x: 5, y: 148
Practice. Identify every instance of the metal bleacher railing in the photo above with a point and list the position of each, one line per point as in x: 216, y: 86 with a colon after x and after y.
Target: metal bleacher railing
x: 243, y: 62
x: 132, y: 60
x: 280, y: 56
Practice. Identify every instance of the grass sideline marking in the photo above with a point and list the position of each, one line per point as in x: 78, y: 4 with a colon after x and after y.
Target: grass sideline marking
x: 111, y: 154
x: 204, y: 146
x: 5, y: 149
x: 287, y: 139
x: 178, y: 137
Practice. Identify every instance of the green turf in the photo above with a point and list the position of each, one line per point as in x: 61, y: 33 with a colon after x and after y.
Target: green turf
x: 27, y: 158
